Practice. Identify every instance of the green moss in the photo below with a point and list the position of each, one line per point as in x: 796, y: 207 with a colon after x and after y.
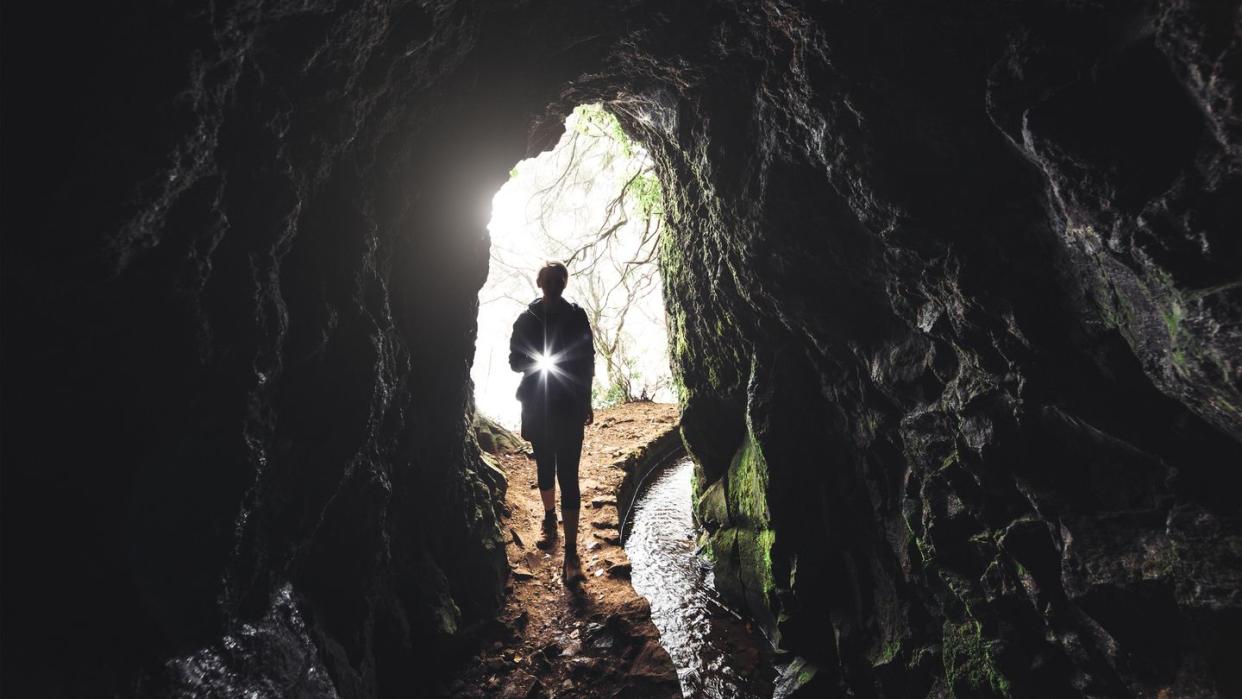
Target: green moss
x: 953, y: 458
x: 722, y: 550
x: 754, y: 552
x: 748, y: 486
x: 968, y: 663
x: 1179, y: 358
x: 711, y: 506
x: 1173, y: 319
x: 741, y: 547
x: 888, y: 653
x: 797, y: 676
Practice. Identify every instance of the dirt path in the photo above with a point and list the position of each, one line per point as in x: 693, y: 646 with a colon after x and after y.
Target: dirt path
x: 553, y: 642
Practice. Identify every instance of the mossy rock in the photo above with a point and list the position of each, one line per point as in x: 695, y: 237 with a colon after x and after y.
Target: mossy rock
x: 711, y: 508
x: 969, y: 668
x: 747, y: 488
x: 495, y: 439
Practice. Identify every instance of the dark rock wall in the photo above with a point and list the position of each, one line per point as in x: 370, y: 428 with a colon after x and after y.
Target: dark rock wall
x: 955, y: 299
x: 953, y: 291
x: 242, y: 248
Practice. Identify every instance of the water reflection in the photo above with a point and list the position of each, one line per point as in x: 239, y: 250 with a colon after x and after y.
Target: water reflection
x: 713, y: 653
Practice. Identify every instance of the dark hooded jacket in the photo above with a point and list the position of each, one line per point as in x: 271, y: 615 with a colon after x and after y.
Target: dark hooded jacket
x: 559, y: 330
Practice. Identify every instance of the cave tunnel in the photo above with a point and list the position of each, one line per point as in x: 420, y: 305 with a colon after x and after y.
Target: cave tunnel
x: 953, y: 295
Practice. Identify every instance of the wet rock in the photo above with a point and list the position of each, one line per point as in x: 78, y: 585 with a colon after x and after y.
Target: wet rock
x: 653, y: 665
x: 798, y: 679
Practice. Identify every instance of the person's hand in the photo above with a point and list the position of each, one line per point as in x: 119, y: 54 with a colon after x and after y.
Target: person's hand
x: 590, y: 416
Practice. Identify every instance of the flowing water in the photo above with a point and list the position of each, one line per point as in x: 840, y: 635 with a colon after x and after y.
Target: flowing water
x: 715, y: 652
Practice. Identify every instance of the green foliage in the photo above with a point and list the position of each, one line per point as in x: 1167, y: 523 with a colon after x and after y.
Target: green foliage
x: 615, y: 394
x: 645, y: 190
x: 594, y: 119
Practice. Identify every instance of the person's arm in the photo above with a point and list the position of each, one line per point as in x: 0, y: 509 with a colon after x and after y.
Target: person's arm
x: 588, y: 353
x: 519, y: 356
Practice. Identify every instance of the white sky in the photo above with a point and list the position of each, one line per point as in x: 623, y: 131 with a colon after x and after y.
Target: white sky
x: 529, y: 228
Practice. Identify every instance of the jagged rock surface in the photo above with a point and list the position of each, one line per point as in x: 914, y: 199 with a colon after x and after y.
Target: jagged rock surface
x: 955, y: 301
x: 953, y: 292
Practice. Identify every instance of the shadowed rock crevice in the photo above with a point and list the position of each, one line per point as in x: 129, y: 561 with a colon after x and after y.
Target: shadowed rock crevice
x: 953, y: 298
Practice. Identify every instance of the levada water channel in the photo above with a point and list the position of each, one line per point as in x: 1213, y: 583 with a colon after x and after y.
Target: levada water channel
x: 715, y: 651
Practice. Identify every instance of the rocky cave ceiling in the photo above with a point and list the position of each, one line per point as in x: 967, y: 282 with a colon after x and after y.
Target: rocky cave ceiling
x: 953, y: 291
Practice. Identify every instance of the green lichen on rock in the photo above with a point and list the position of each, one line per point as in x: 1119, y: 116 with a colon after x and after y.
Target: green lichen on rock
x: 735, y: 508
x: 969, y: 668
x: 888, y: 653
x: 748, y: 486
x: 493, y: 438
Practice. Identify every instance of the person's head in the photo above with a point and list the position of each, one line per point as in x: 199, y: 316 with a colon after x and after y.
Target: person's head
x: 552, y: 279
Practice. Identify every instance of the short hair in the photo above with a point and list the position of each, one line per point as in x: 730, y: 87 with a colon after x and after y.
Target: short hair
x: 553, y: 267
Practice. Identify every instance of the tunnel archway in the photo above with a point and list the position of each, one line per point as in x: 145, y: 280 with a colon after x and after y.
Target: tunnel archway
x: 954, y: 297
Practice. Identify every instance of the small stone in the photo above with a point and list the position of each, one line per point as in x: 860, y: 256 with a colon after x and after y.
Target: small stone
x: 522, y: 573
x: 516, y: 539
x: 604, y: 524
x: 621, y: 571
x: 583, y: 666
x: 521, y: 685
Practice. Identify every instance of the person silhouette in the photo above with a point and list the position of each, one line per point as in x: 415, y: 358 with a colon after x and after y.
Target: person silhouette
x: 552, y: 345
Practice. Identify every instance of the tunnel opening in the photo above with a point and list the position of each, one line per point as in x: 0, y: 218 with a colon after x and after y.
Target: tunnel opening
x: 592, y: 202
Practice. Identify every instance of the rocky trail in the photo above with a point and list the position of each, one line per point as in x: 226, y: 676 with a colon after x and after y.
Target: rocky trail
x: 551, y: 640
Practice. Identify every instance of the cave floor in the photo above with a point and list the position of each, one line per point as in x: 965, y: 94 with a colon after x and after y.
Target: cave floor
x: 554, y: 642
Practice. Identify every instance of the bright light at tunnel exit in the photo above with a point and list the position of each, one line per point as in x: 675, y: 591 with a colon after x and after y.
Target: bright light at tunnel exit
x: 553, y: 206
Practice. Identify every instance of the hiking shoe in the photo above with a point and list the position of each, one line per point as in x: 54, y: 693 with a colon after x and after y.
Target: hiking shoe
x: 572, y: 572
x: 547, y: 537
